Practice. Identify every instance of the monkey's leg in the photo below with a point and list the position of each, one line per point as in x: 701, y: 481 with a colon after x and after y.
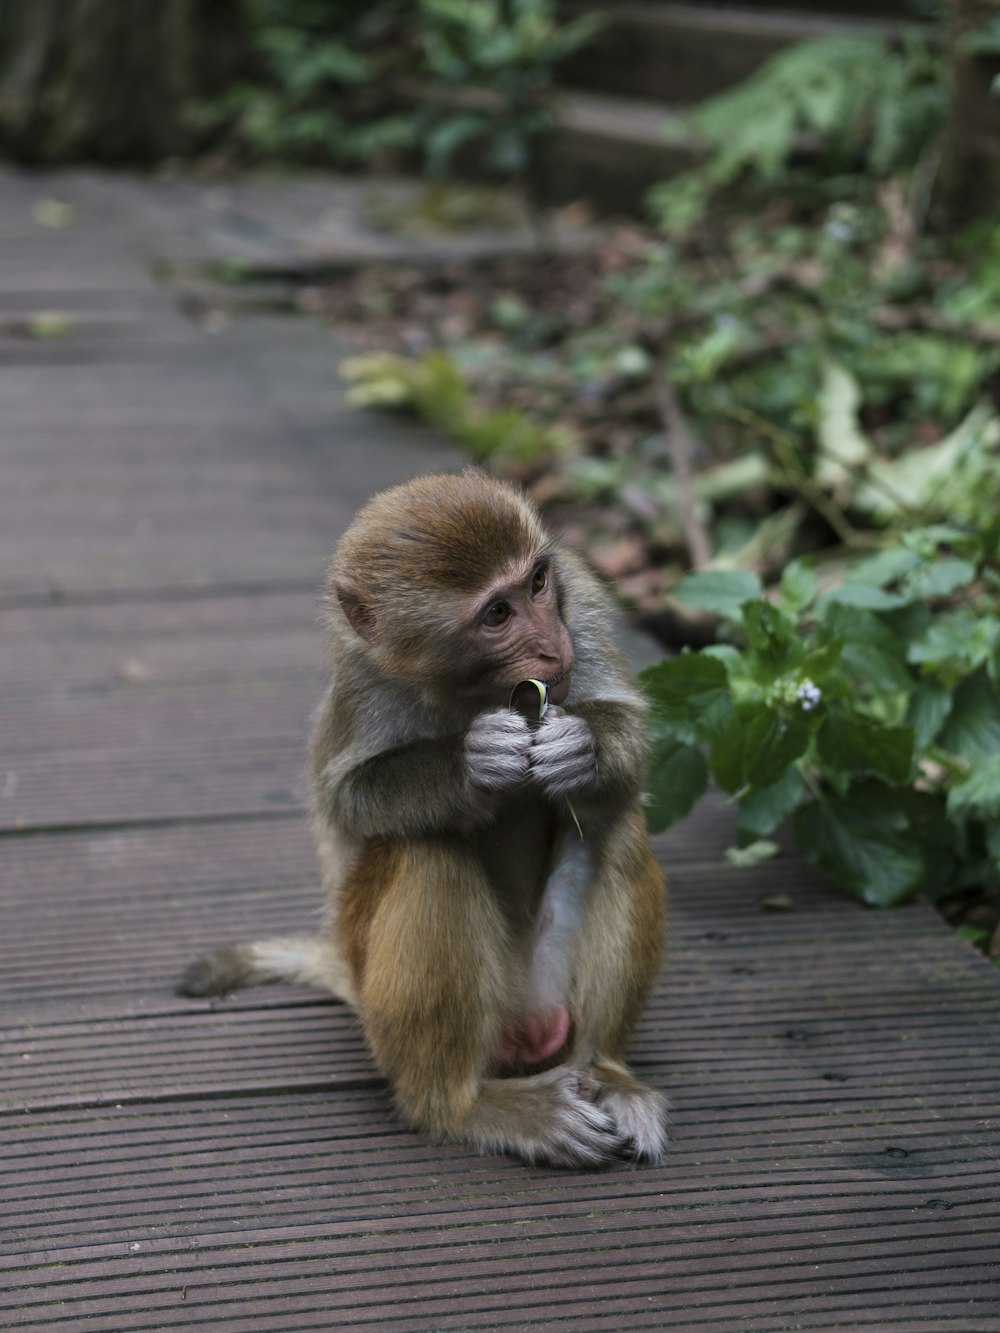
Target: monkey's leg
x: 308, y: 960
x: 434, y: 995
x: 618, y: 958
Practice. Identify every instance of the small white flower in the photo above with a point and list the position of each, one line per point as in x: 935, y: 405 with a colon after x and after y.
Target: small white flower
x: 808, y: 695
x: 839, y: 230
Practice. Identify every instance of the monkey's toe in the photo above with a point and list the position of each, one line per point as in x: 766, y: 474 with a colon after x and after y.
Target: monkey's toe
x: 579, y: 1132
x: 640, y: 1116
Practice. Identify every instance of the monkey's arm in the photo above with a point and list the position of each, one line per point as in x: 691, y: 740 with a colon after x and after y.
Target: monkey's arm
x: 441, y: 785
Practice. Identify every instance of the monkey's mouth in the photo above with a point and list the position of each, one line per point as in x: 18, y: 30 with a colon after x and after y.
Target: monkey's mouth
x: 558, y: 687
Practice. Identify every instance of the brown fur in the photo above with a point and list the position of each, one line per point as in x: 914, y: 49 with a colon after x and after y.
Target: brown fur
x: 461, y: 901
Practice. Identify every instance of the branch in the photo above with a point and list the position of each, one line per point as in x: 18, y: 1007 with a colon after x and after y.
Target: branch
x: 681, y: 448
x: 899, y: 319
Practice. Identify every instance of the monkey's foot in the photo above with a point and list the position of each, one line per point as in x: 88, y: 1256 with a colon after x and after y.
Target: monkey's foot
x: 640, y: 1113
x: 549, y: 1119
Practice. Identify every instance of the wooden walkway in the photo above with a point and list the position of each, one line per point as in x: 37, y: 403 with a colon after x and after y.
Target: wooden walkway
x: 167, y: 500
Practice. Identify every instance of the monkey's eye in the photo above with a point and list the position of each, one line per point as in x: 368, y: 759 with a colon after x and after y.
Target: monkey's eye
x: 497, y: 615
x: 539, y: 579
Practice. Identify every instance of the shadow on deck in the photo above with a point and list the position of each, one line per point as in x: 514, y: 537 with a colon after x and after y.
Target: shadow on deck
x: 167, y: 501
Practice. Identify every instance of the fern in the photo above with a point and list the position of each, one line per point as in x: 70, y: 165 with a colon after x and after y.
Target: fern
x: 860, y: 99
x: 856, y: 102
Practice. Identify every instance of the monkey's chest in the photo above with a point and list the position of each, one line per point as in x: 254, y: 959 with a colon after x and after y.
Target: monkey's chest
x: 539, y: 871
x: 517, y: 851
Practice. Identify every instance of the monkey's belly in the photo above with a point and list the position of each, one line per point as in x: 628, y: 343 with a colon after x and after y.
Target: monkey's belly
x: 535, y: 1040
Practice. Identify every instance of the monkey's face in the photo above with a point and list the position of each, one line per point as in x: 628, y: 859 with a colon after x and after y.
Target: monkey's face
x: 514, y: 631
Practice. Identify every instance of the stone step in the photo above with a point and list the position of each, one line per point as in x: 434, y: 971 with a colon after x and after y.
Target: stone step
x: 682, y: 53
x: 610, y: 150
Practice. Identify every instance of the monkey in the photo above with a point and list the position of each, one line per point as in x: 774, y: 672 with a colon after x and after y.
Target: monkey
x: 494, y: 911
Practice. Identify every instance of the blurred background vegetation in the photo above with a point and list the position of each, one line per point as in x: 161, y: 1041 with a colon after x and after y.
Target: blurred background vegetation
x: 761, y: 389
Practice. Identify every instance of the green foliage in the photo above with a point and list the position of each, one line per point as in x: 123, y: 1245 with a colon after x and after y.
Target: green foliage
x: 432, y: 387
x: 823, y: 332
x: 330, y: 75
x: 853, y: 103
x: 323, y: 86
x: 506, y: 52
x: 867, y: 714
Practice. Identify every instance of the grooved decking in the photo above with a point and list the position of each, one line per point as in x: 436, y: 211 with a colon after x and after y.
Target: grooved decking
x: 168, y: 498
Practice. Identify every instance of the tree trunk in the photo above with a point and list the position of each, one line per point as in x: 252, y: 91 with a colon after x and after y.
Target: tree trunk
x: 109, y: 80
x: 971, y: 166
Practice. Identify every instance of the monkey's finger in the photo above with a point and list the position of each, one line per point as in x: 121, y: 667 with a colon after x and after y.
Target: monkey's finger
x: 501, y: 725
x: 496, y: 749
x: 498, y: 771
x: 562, y: 756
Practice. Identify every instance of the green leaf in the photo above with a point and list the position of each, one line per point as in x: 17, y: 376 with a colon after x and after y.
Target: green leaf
x: 843, y: 447
x: 935, y: 834
x: 871, y: 652
x: 798, y: 586
x: 924, y: 542
x: 918, y: 478
x: 929, y: 705
x: 774, y: 640
x: 678, y: 776
x: 855, y: 745
x: 863, y: 844
x: 761, y: 812
x: 753, y: 853
x: 973, y: 728
x: 820, y: 661
x: 726, y: 753
x: 447, y: 137
x: 757, y: 746
x: 977, y: 935
x: 720, y: 591
x: 958, y: 638
x: 941, y: 578
x: 978, y: 793
x: 863, y: 596
x: 690, y: 696
x: 885, y: 567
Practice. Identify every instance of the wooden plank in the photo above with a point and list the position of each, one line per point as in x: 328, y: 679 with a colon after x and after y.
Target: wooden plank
x: 136, y: 902
x: 236, y: 1164
x: 130, y: 647
x: 259, y: 774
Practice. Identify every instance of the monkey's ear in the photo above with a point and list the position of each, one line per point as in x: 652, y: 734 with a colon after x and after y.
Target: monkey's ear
x: 358, y: 613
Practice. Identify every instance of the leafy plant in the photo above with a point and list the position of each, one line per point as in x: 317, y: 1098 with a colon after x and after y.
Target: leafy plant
x: 853, y: 104
x: 322, y: 90
x: 343, y: 83
x: 432, y: 387
x: 497, y: 58
x: 865, y: 713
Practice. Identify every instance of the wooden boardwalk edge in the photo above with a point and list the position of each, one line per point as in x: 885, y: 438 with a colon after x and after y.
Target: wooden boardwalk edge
x: 168, y: 498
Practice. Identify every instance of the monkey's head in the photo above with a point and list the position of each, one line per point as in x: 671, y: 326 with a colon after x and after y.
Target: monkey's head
x: 452, y: 584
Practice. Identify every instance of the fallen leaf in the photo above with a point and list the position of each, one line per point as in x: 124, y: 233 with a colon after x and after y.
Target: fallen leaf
x: 53, y: 213
x: 49, y: 324
x: 778, y: 902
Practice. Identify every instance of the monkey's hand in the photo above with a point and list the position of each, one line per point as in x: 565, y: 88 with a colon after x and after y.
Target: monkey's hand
x: 563, y: 759
x: 496, y: 750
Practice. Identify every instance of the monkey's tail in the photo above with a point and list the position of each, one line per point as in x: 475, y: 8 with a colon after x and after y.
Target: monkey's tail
x: 307, y: 960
